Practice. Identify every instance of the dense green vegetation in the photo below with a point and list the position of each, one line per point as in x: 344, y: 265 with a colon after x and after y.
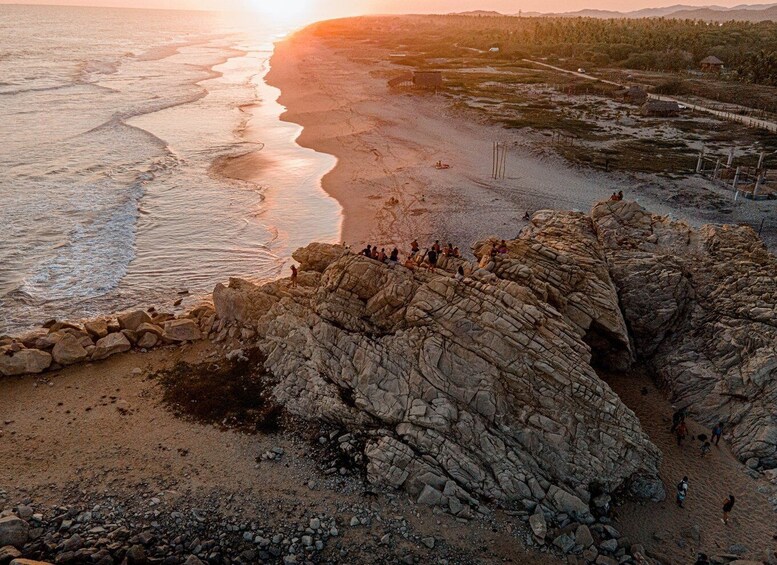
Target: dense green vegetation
x: 749, y: 50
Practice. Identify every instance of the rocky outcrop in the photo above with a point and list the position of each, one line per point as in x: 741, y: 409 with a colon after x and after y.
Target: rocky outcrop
x: 702, y: 308
x: 473, y: 389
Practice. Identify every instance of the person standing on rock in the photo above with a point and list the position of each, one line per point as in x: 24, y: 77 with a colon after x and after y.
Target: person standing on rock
x: 728, y: 504
x: 432, y: 258
x: 717, y: 431
x: 414, y: 248
x: 293, y: 283
x: 682, y: 491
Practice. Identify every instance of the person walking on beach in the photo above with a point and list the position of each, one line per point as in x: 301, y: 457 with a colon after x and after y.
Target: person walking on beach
x: 728, y: 504
x: 682, y: 491
x: 293, y: 282
x: 717, y: 431
x: 677, y: 417
x: 682, y: 432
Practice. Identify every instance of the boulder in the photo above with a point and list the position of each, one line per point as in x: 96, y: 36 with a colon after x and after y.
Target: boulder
x: 184, y: 329
x: 69, y: 350
x: 8, y: 553
x: 243, y: 301
x: 148, y: 340
x: 583, y: 536
x: 318, y: 256
x: 96, y: 328
x: 110, y: 345
x: 13, y: 531
x: 22, y: 362
x: 538, y: 525
x: 132, y: 320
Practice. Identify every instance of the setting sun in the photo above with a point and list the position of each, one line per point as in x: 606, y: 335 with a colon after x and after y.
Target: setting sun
x: 284, y: 11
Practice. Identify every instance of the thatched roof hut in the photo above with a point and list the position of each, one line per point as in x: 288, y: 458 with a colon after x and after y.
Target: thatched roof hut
x: 711, y: 64
x: 661, y: 108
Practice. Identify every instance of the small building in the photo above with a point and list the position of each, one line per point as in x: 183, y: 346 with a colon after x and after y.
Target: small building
x: 711, y: 64
x: 405, y: 79
x: 634, y: 95
x: 428, y: 79
x: 661, y: 108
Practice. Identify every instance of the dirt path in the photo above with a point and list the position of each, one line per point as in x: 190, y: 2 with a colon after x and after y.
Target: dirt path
x: 753, y: 521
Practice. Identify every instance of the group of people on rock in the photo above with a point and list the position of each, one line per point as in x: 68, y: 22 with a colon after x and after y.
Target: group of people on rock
x: 373, y: 253
x: 680, y: 429
x: 432, y: 255
x: 617, y: 196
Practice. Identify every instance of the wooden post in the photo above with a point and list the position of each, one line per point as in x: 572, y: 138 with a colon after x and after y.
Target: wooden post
x: 699, y: 161
x: 736, y: 177
x: 717, y: 168
x: 730, y: 157
x: 761, y: 160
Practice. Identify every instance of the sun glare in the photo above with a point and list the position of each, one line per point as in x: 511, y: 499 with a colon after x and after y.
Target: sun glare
x: 284, y: 11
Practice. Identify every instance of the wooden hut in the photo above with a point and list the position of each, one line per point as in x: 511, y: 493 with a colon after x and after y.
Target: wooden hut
x: 428, y: 79
x: 711, y: 64
x: 660, y: 108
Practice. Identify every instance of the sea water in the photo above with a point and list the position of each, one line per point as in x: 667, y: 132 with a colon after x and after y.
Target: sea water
x: 113, y: 124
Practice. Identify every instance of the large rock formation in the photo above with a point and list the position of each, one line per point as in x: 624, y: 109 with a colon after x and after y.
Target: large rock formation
x: 472, y: 389
x: 702, y: 309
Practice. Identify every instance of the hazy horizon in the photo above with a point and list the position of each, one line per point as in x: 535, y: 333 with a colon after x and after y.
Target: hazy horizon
x: 310, y: 10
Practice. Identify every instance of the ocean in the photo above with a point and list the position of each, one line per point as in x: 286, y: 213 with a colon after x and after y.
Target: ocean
x: 116, y: 127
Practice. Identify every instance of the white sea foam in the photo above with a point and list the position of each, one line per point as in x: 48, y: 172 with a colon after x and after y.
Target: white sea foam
x: 111, y: 121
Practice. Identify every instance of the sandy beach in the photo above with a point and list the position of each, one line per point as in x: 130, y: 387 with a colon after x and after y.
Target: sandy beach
x: 387, y: 143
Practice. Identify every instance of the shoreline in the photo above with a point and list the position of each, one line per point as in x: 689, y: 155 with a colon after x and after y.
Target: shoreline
x: 386, y: 144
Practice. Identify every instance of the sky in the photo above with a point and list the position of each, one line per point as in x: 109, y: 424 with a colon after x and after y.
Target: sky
x: 310, y: 10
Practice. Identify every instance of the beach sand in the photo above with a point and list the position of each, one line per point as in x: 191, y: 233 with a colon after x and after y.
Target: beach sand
x: 387, y: 143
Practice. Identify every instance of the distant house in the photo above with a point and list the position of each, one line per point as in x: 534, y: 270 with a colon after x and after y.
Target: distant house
x: 661, y: 108
x: 405, y: 79
x: 634, y: 95
x: 711, y: 64
x: 427, y: 79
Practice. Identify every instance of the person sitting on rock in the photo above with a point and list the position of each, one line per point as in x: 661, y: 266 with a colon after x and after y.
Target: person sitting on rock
x: 682, y: 492
x: 459, y: 273
x: 375, y: 252
x: 382, y: 257
x: 436, y: 247
x: 394, y: 257
x: 448, y: 250
x: 503, y: 247
x: 456, y: 252
x: 367, y: 251
x: 620, y: 195
x: 614, y: 197
x: 414, y: 248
